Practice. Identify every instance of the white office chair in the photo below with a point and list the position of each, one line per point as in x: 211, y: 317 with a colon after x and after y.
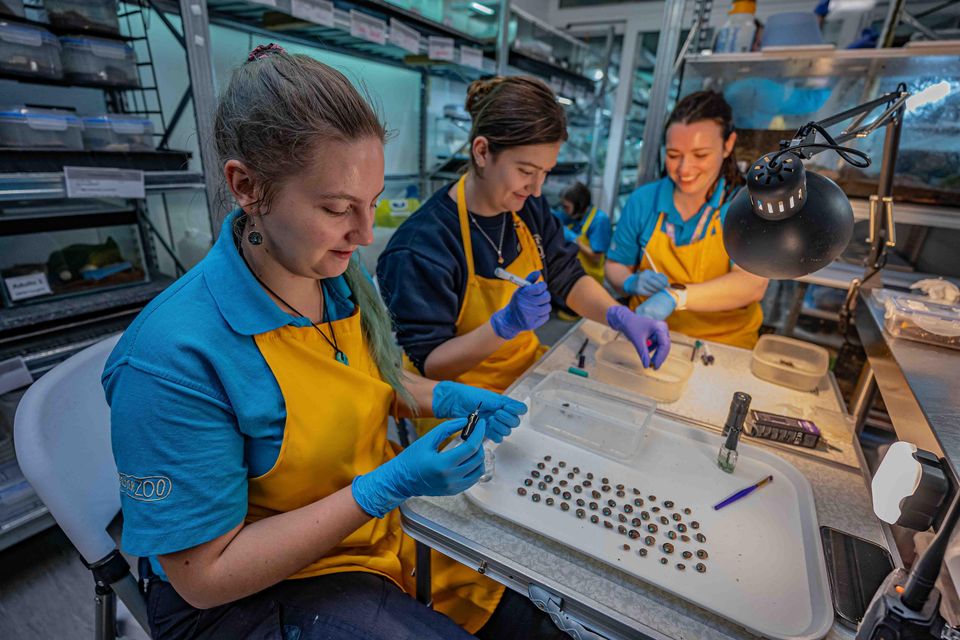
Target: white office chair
x: 62, y: 439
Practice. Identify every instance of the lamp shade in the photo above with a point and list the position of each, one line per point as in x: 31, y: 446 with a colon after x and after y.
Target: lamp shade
x: 801, y: 243
x: 909, y: 487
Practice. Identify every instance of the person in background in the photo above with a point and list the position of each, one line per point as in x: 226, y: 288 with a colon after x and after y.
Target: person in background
x: 252, y: 396
x: 585, y: 226
x: 667, y: 251
x: 454, y: 317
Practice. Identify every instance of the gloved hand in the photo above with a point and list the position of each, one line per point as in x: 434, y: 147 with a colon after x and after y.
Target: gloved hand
x: 658, y: 306
x: 528, y: 309
x: 570, y: 235
x: 455, y: 400
x: 645, y: 283
x: 650, y: 338
x: 422, y: 470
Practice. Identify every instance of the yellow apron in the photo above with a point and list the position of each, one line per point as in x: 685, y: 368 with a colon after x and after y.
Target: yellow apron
x: 483, y: 297
x: 595, y: 271
x: 697, y: 262
x: 336, y: 428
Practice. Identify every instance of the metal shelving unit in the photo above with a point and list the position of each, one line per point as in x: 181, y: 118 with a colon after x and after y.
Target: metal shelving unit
x: 34, y: 202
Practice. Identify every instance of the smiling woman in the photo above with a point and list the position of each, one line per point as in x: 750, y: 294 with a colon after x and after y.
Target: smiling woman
x: 667, y: 251
x: 454, y: 317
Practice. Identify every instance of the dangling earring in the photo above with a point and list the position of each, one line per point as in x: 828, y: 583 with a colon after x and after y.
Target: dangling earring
x: 255, y: 237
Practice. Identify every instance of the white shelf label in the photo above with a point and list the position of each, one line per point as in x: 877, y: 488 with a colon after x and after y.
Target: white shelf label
x: 315, y: 11
x: 269, y: 3
x: 28, y: 286
x: 471, y: 57
x: 407, y: 38
x: 14, y: 375
x: 439, y: 48
x: 367, y: 27
x: 98, y: 182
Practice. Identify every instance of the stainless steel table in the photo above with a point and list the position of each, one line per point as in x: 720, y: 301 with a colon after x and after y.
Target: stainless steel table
x: 608, y: 602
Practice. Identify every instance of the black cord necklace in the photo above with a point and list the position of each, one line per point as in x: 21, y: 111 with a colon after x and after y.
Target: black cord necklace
x: 340, y: 356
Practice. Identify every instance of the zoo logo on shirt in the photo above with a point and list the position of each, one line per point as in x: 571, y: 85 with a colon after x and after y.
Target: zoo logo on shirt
x: 147, y: 489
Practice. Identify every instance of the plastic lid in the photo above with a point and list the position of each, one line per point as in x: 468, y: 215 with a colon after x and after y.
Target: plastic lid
x: 26, y: 35
x: 743, y: 6
x: 99, y: 46
x: 119, y: 123
x: 41, y: 119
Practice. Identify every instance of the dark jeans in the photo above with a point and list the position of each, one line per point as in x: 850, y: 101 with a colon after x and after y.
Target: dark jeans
x: 339, y: 606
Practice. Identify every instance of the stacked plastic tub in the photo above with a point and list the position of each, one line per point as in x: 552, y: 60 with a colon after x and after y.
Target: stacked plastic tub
x: 26, y: 50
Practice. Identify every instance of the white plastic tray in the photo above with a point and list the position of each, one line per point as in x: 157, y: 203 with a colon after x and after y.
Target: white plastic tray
x: 765, y: 568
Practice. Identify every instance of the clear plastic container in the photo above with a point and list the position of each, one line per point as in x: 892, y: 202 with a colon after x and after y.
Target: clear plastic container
x: 99, y: 61
x: 923, y: 320
x: 45, y: 265
x: 789, y: 362
x: 619, y: 364
x: 115, y: 132
x: 604, y: 420
x: 12, y: 8
x: 83, y: 15
x: 28, y: 50
x: 31, y: 128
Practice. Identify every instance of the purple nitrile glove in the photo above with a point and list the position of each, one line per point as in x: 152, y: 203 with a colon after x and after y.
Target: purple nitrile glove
x: 649, y: 336
x: 658, y: 306
x: 528, y: 309
x: 645, y: 283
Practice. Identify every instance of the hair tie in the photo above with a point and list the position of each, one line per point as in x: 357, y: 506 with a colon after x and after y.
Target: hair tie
x: 264, y: 50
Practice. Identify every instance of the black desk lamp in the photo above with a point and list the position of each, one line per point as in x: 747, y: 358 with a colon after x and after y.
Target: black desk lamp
x: 789, y: 222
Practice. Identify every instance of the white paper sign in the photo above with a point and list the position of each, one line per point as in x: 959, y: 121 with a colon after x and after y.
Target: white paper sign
x: 315, y: 11
x: 98, y: 182
x: 28, y: 286
x: 269, y: 3
x: 471, y: 57
x: 440, y: 48
x: 368, y: 28
x: 407, y: 38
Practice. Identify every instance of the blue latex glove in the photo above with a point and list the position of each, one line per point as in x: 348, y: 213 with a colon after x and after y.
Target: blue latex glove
x: 645, y: 283
x: 455, y: 400
x: 658, y: 306
x: 422, y: 470
x: 650, y: 337
x: 528, y: 309
x: 822, y: 8
x: 570, y: 235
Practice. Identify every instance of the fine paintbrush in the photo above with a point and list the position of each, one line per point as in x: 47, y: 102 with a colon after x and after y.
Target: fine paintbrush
x: 743, y: 493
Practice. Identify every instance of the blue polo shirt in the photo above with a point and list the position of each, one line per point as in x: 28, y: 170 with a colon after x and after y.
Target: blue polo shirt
x: 195, y: 409
x: 599, y: 233
x: 639, y: 219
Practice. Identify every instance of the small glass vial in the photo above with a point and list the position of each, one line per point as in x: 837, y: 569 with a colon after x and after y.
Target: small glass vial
x: 489, y: 463
x: 739, y: 407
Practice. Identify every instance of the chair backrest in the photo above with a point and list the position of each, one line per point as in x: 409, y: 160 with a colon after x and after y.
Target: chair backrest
x: 62, y: 439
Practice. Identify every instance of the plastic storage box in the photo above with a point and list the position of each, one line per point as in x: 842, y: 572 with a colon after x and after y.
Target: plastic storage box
x: 27, y: 127
x: 41, y: 266
x: 99, y: 61
x: 83, y: 15
x: 923, y: 320
x: 593, y: 416
x: 789, y: 362
x: 619, y: 364
x: 29, y: 51
x: 12, y: 8
x: 115, y: 132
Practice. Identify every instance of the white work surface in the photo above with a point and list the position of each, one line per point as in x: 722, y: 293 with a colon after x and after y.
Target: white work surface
x: 627, y: 606
x: 706, y: 398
